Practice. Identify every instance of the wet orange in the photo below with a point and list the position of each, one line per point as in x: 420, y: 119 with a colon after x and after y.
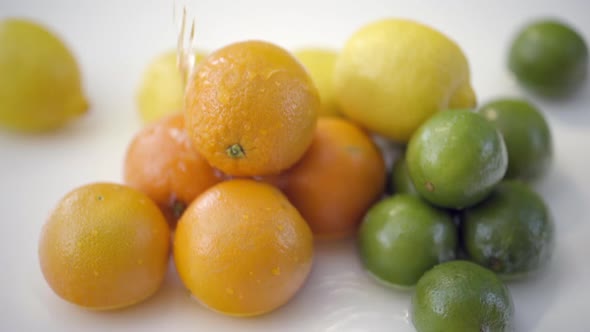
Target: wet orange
x: 105, y: 246
x: 251, y: 109
x: 338, y: 179
x: 277, y: 180
x: 242, y: 249
x: 162, y: 162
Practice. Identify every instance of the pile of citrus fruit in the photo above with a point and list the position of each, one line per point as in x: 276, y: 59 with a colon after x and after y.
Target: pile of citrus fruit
x: 259, y: 150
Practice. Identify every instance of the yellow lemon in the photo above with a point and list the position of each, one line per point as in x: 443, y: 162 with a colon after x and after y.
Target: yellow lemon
x: 320, y: 65
x: 393, y: 74
x: 161, y: 90
x: 40, y: 88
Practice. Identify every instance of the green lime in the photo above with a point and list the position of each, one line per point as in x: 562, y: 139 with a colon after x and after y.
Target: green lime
x: 461, y: 296
x: 456, y: 158
x: 526, y: 134
x: 549, y: 57
x: 401, y: 237
x: 401, y: 182
x: 511, y: 232
x: 40, y: 83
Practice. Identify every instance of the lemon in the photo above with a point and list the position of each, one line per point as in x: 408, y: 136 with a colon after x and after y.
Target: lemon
x: 40, y: 88
x: 320, y: 65
x: 161, y: 90
x: 393, y: 74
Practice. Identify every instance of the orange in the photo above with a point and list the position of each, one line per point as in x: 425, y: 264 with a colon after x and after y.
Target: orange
x: 276, y: 180
x: 242, y: 249
x: 105, y: 246
x: 162, y: 162
x: 338, y: 179
x: 251, y: 109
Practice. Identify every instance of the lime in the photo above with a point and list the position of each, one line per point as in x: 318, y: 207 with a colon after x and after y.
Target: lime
x: 320, y: 65
x: 549, y: 57
x: 526, y: 134
x: 40, y: 88
x: 393, y: 74
x: 400, y: 178
x: 401, y: 237
x: 456, y: 158
x: 461, y: 296
x: 511, y: 232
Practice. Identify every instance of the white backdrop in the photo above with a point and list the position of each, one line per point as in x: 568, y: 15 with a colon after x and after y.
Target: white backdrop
x: 114, y: 40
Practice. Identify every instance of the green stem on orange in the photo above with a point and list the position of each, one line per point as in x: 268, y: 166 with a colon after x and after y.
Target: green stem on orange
x: 235, y: 151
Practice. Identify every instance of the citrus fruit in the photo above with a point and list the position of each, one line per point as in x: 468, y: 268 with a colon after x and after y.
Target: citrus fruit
x: 105, y: 246
x: 161, y: 90
x: 401, y: 182
x: 251, y: 109
x: 242, y: 249
x: 549, y: 57
x: 162, y: 162
x: 456, y: 158
x: 40, y: 84
x: 461, y: 296
x: 511, y: 232
x: 320, y: 64
x: 402, y: 237
x: 276, y: 180
x: 526, y: 134
x: 393, y: 74
x: 337, y: 180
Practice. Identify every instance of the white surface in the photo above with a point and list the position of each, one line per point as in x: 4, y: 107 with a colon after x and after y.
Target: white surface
x: 115, y: 39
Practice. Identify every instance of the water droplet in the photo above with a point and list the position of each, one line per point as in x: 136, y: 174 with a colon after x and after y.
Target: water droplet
x: 270, y: 73
x: 223, y: 96
x: 491, y: 114
x: 276, y: 271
